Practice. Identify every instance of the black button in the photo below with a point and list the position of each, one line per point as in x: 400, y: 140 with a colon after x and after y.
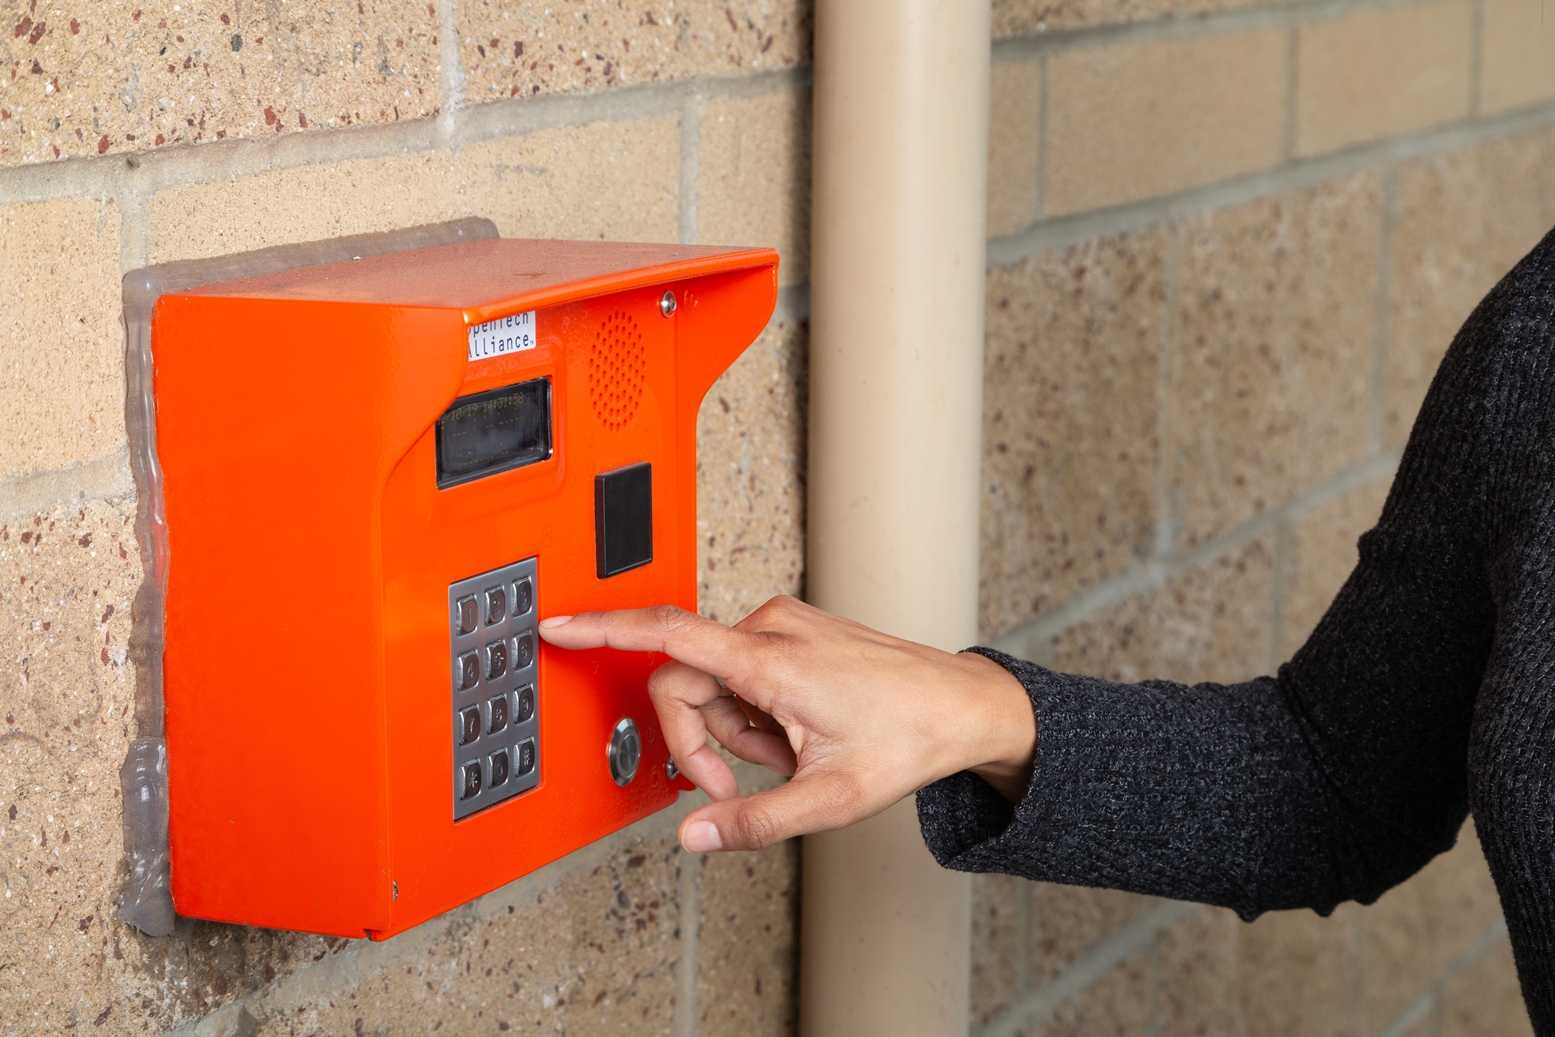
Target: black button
x: 523, y: 596
x: 526, y: 704
x: 469, y: 725
x: 471, y: 773
x: 526, y: 756
x: 499, y: 768
x: 499, y: 715
x: 466, y: 615
x: 469, y: 671
x: 496, y: 605
x: 523, y: 651
x: 496, y: 659
x: 623, y: 519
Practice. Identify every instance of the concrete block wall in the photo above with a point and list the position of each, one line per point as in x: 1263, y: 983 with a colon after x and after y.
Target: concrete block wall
x: 1229, y: 239
x: 141, y: 131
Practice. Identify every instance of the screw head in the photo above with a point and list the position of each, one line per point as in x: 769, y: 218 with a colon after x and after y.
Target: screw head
x: 667, y: 303
x: 670, y: 770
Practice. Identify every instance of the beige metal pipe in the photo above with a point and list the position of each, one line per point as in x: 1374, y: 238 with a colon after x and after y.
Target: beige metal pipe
x: 896, y: 377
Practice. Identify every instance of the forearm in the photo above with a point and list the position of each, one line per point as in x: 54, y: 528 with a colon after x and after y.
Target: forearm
x: 1333, y: 781
x: 1203, y: 793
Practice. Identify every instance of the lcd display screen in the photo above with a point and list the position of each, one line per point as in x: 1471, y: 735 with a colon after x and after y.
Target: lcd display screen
x: 494, y: 431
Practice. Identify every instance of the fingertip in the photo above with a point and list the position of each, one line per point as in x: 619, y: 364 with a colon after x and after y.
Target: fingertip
x: 550, y: 628
x: 698, y: 836
x: 567, y: 632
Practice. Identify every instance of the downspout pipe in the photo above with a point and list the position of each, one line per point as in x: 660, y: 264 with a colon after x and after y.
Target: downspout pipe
x: 899, y: 181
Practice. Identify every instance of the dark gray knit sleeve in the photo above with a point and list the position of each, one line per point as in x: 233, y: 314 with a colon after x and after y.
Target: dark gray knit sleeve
x: 1332, y: 780
x: 1203, y: 793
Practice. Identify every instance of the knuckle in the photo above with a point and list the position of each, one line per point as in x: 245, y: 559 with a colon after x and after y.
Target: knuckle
x: 769, y: 612
x: 668, y: 618
x: 784, y: 604
x: 756, y: 827
x: 669, y: 621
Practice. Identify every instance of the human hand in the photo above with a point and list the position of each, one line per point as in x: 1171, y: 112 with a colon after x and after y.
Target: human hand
x: 859, y: 719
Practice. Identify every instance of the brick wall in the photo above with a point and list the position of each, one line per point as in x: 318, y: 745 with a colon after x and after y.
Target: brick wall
x: 141, y: 131
x: 1230, y: 239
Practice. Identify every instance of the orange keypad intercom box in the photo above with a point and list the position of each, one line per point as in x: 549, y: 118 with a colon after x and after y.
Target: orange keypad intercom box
x: 378, y: 476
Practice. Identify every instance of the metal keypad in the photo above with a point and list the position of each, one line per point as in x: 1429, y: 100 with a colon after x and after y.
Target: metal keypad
x: 495, y: 685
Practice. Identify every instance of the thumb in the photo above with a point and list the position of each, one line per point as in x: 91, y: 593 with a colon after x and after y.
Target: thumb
x: 812, y: 802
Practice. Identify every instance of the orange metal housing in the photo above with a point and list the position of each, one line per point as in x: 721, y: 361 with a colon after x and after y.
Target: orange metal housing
x: 311, y: 552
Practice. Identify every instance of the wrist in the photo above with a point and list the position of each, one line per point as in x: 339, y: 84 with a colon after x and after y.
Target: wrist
x: 1004, y: 740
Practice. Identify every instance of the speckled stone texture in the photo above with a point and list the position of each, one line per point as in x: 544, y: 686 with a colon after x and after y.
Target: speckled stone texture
x: 549, y: 183
x: 747, y: 942
x: 1482, y: 998
x: 591, y: 952
x: 1068, y: 922
x: 1195, y: 959
x: 1463, y: 218
x: 66, y: 581
x: 1121, y: 1001
x: 998, y: 949
x: 1369, y: 73
x: 67, y: 578
x: 1299, y: 972
x: 1320, y: 551
x: 61, y: 380
x: 1129, y: 120
x: 1210, y: 623
x: 90, y: 77
x: 1421, y: 928
x: 750, y: 476
x: 753, y: 176
x: 1014, y: 144
x: 1034, y: 17
x: 1291, y: 972
x: 519, y: 49
x: 1271, y: 349
x: 1518, y: 37
x: 1070, y: 421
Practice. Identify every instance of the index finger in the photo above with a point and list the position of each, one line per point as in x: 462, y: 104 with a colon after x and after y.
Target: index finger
x: 684, y: 636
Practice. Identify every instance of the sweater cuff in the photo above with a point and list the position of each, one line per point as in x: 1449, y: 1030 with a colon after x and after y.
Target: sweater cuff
x: 970, y: 827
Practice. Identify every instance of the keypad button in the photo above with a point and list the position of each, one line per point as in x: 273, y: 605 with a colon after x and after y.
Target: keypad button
x: 498, y: 710
x: 496, y: 605
x: 523, y: 596
x: 499, y: 769
x: 469, y: 671
x: 526, y: 756
x: 523, y: 650
x: 469, y: 725
x: 496, y: 659
x: 526, y: 704
x: 466, y: 615
x: 470, y: 780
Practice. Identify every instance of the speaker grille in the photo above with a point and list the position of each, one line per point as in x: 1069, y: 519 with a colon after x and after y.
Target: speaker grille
x: 618, y: 365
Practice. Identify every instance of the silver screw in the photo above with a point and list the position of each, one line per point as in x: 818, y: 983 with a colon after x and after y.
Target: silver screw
x: 670, y: 770
x: 395, y: 888
x: 667, y: 304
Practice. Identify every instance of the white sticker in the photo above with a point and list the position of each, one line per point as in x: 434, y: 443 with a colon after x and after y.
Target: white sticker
x: 511, y: 334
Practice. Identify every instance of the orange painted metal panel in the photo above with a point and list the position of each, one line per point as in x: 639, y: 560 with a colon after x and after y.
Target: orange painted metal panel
x: 311, y: 551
